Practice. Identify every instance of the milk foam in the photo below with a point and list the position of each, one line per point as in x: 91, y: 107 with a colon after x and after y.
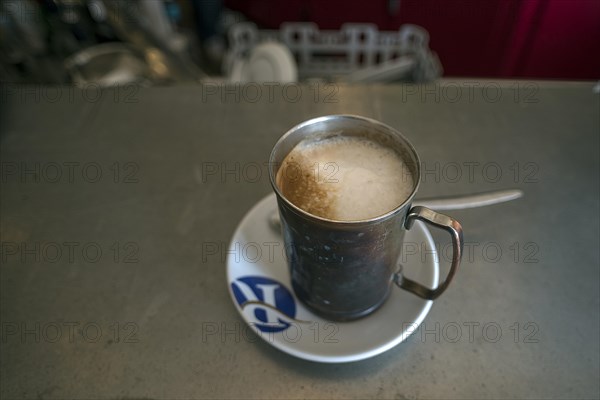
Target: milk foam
x: 344, y: 178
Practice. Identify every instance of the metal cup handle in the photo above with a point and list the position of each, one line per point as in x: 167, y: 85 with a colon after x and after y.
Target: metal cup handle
x: 439, y: 221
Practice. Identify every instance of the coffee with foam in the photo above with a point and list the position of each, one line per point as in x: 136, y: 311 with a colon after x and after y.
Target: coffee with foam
x: 344, y: 178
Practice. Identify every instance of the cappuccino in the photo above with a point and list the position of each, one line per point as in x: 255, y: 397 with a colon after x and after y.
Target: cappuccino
x: 344, y: 178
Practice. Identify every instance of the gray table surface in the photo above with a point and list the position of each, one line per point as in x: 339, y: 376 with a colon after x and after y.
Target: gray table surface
x: 131, y: 322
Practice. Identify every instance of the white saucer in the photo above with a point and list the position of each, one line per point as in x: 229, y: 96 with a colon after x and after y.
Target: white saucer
x: 259, y: 284
x: 268, y: 62
x: 272, y: 62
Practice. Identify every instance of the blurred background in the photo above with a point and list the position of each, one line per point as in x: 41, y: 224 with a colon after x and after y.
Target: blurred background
x: 157, y: 42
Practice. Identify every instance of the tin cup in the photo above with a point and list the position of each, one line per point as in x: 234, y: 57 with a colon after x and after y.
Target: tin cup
x: 344, y: 270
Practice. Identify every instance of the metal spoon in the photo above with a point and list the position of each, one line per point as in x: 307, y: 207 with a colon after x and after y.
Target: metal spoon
x: 445, y: 203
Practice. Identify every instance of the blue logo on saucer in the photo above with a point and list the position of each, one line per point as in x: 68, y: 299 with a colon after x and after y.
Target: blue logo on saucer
x: 266, y: 303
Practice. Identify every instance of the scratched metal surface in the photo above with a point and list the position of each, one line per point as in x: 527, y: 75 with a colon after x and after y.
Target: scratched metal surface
x: 116, y: 209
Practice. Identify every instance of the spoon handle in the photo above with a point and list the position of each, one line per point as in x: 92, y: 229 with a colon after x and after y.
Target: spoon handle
x: 469, y: 201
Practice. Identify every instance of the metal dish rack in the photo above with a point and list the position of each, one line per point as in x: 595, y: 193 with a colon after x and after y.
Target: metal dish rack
x: 357, y: 52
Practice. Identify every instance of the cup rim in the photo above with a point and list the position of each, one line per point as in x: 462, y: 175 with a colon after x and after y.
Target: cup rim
x: 311, y: 121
